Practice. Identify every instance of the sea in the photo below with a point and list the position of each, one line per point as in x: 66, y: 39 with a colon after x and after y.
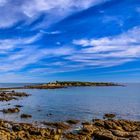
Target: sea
x: 82, y: 103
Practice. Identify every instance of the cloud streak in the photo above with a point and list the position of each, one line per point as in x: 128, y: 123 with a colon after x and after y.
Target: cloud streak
x: 28, y: 11
x: 125, y: 45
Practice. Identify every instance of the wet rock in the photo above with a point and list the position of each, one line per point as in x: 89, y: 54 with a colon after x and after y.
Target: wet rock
x: 11, y: 110
x: 73, y: 121
x: 99, y: 123
x: 86, y: 123
x: 25, y: 116
x: 11, y: 95
x: 59, y: 125
x: 34, y: 131
x: 19, y: 94
x: 104, y: 135
x: 109, y: 116
x: 112, y: 125
x: 71, y: 136
x: 88, y: 128
x: 120, y: 133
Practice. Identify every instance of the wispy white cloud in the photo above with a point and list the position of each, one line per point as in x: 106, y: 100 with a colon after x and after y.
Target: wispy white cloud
x: 9, y: 44
x: 61, y: 7
x: 124, y: 45
x: 127, y: 38
x: 29, y: 10
x: 31, y: 55
x: 108, y: 51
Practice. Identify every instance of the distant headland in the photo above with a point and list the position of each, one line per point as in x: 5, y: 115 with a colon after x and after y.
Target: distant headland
x: 62, y: 84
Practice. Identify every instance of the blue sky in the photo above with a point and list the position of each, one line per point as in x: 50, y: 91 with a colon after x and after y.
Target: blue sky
x: 90, y: 40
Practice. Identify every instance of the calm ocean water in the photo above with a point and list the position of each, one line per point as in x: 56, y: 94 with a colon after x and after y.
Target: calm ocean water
x: 84, y: 103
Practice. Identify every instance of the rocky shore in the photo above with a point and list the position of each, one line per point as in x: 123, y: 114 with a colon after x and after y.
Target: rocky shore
x: 95, y: 130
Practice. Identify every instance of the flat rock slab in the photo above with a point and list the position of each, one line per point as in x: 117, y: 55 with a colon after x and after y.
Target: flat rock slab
x: 11, y: 95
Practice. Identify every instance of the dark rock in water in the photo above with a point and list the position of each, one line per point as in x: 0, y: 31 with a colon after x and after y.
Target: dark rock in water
x: 109, y: 116
x: 11, y: 110
x: 25, y: 116
x: 73, y: 121
x: 50, y: 114
x: 18, y: 106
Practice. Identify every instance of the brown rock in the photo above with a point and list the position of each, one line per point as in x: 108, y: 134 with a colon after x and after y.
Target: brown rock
x: 11, y: 110
x: 59, y: 125
x: 104, y: 135
x: 109, y: 116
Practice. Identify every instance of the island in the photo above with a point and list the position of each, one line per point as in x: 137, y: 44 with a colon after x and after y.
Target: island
x: 62, y: 84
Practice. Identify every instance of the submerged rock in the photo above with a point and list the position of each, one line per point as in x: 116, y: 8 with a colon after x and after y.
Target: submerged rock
x: 18, y: 106
x: 49, y: 114
x: 25, y: 116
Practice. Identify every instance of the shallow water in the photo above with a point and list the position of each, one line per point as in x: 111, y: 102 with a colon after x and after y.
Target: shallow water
x: 84, y: 103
